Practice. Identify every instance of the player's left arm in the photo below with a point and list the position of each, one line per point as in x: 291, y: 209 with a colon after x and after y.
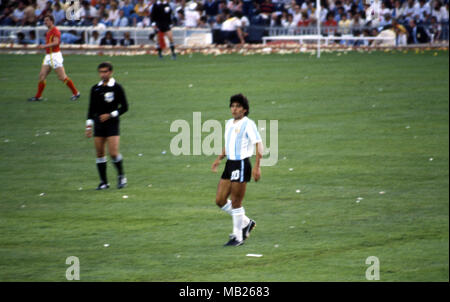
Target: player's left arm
x: 256, y: 172
x: 123, y: 106
x: 55, y: 42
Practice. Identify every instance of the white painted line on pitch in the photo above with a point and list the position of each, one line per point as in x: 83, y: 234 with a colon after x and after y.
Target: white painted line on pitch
x: 254, y: 255
x: 297, y: 191
x: 106, y: 245
x: 125, y: 196
x: 291, y: 169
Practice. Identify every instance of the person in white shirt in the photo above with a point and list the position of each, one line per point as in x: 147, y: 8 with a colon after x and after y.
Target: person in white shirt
x: 95, y: 38
x: 232, y: 28
x: 191, y: 15
x: 241, y: 137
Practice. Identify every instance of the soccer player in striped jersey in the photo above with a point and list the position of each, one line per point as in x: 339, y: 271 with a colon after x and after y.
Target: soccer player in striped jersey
x: 53, y: 59
x: 241, y: 136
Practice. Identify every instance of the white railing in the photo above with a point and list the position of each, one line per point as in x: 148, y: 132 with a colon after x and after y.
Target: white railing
x: 182, y: 36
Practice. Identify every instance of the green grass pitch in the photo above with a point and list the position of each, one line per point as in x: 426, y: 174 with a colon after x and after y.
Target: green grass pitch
x: 350, y: 125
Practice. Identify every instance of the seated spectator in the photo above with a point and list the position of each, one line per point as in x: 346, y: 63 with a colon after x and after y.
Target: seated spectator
x: 70, y: 37
x: 126, y: 41
x: 180, y: 20
x: 59, y: 14
x: 400, y: 32
x: 203, y: 22
x: 435, y: 30
x: 192, y: 16
x: 344, y: 25
x: 108, y: 39
x: 416, y: 34
x: 388, y: 36
x: 6, y: 16
x: 104, y: 20
x: 20, y: 38
x: 357, y: 21
x: 139, y: 8
x: 113, y: 13
x: 95, y: 38
x: 18, y: 15
x: 29, y: 14
x: 32, y: 39
x: 232, y: 29
x: 211, y: 9
x: 128, y: 8
x: 305, y: 20
x: 122, y: 21
x: 97, y: 25
x: 235, y: 5
x: 330, y: 24
x: 146, y: 21
x: 397, y: 11
x: 87, y: 13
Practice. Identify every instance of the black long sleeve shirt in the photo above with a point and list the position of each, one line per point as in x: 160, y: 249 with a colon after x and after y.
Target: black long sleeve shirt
x: 108, y: 98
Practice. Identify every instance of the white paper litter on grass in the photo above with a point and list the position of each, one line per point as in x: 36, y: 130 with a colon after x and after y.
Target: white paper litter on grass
x: 254, y: 255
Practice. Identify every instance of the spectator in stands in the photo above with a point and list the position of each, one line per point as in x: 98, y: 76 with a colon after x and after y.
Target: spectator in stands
x: 408, y: 10
x: 127, y: 8
x: 29, y: 14
x: 113, y: 13
x: 121, y: 21
x: 419, y: 9
x: 211, y: 9
x: 305, y: 21
x: 59, y: 14
x: 20, y: 38
x: 180, y: 20
x: 330, y: 25
x: 70, y: 37
x: 87, y: 13
x: 357, y: 21
x: 435, y: 30
x: 146, y: 21
x: 401, y: 33
x: 386, y: 20
x: 344, y: 25
x: 235, y: 5
x: 97, y: 25
x: 192, y: 16
x: 18, y: 16
x: 416, y: 34
x: 108, y: 39
x: 95, y: 38
x: 398, y: 10
x: 203, y: 22
x: 139, y: 8
x: 6, y: 16
x: 297, y: 13
x: 232, y: 29
x: 126, y: 41
x: 32, y: 39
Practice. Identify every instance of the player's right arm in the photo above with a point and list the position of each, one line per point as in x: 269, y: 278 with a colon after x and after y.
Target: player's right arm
x: 216, y: 163
x: 90, y: 115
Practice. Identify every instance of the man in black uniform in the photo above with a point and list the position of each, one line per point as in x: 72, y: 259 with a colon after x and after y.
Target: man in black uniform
x: 107, y: 103
x: 161, y: 17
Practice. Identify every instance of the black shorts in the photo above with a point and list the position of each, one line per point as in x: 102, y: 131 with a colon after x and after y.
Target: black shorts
x: 163, y: 27
x: 108, y: 128
x: 238, y: 170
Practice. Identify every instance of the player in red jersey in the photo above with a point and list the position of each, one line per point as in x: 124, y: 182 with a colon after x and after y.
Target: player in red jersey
x: 53, y: 59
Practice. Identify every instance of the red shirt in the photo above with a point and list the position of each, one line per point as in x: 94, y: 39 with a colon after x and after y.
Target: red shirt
x: 51, y: 34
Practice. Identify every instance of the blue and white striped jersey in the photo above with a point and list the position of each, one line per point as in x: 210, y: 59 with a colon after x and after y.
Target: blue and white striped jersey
x: 240, y: 138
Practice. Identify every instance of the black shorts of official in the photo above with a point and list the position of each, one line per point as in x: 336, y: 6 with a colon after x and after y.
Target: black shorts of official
x: 238, y: 170
x: 108, y: 128
x: 163, y: 27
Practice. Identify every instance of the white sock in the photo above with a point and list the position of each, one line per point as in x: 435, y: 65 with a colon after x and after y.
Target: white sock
x: 238, y: 215
x: 227, y: 208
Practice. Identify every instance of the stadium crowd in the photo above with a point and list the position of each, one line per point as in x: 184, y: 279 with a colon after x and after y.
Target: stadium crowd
x: 414, y: 21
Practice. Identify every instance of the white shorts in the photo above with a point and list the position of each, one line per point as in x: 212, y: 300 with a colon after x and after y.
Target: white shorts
x: 54, y: 60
